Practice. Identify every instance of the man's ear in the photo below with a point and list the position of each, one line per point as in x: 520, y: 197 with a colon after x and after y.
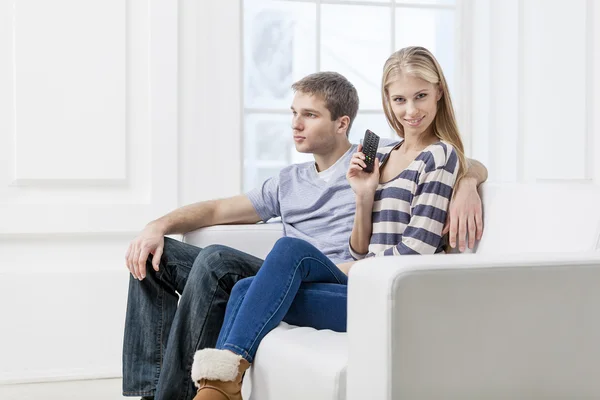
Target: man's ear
x: 344, y: 123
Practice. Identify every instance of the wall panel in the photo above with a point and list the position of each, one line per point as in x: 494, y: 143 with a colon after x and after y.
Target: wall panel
x: 90, y: 127
x: 89, y: 136
x: 555, y: 89
x: 69, y: 92
x: 535, y: 90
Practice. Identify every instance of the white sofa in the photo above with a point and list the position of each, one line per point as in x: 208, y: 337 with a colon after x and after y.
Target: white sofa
x: 519, y: 319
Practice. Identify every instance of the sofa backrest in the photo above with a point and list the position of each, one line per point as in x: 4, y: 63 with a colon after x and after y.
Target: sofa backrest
x: 255, y: 239
x: 539, y: 218
x: 518, y: 218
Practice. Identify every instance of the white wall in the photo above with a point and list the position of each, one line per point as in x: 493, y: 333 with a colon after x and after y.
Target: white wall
x: 113, y: 113
x: 536, y: 89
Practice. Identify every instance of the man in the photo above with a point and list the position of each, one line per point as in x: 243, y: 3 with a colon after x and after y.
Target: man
x: 161, y: 336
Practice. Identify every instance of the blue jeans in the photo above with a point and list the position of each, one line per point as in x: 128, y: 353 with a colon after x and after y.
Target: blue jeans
x: 176, y: 311
x: 297, y: 284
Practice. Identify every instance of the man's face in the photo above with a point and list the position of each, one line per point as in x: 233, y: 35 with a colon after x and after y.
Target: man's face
x: 314, y: 131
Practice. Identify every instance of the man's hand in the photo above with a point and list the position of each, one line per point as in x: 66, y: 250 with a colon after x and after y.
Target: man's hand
x: 464, y: 214
x: 150, y: 241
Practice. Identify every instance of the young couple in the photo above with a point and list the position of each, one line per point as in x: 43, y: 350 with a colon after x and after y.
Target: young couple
x: 333, y: 212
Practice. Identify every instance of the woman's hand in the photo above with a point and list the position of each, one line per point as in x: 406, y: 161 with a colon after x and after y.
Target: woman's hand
x: 363, y: 184
x: 464, y: 215
x: 345, y: 267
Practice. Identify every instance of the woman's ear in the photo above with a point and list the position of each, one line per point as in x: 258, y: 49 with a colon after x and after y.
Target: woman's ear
x: 440, y: 92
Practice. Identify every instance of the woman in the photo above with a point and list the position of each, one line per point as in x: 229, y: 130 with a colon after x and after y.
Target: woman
x: 400, y: 209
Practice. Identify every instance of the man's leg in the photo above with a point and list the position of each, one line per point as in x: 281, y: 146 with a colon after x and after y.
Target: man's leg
x: 200, y: 315
x: 151, y: 307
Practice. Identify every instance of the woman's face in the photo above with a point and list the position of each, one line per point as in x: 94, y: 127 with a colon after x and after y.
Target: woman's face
x: 414, y: 103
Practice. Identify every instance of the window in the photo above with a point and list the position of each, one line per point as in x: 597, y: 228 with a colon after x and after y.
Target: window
x: 287, y: 39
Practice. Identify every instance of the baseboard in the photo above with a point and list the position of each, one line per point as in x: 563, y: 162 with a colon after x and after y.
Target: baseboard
x: 58, y: 376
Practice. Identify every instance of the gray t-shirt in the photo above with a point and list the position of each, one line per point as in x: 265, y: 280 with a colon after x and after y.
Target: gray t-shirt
x: 320, y: 212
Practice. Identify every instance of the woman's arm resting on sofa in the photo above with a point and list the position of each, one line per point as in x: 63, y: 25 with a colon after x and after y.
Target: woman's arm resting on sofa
x: 465, y: 213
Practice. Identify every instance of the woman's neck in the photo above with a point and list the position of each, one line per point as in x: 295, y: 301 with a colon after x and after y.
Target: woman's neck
x: 418, y: 142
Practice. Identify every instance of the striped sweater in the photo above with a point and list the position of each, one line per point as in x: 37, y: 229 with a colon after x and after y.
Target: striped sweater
x: 410, y: 210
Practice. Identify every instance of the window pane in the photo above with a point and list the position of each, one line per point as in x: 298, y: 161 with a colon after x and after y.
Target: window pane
x: 279, y: 49
x: 432, y: 29
x: 373, y: 1
x: 375, y: 122
x: 256, y: 177
x: 440, y: 2
x: 267, y: 143
x: 298, y: 157
x: 356, y: 41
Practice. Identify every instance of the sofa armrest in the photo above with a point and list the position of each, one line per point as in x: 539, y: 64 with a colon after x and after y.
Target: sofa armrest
x: 473, y: 327
x: 255, y: 239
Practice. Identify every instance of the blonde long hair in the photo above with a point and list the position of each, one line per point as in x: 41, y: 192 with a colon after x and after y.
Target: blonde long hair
x: 419, y: 62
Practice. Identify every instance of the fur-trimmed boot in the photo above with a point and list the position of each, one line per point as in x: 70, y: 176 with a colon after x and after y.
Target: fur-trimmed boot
x: 218, y: 374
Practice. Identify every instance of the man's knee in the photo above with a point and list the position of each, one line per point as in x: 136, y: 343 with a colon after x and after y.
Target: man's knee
x: 170, y: 249
x: 209, y: 265
x: 212, y: 258
x: 218, y: 264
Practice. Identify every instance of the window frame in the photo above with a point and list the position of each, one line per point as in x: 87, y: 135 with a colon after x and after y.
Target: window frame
x: 462, y: 39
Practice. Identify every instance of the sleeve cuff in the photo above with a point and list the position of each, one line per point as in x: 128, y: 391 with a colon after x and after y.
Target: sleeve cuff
x: 354, y: 254
x: 258, y: 203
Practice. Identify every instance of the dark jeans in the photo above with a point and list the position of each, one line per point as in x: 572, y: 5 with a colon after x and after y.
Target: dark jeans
x: 297, y: 284
x: 161, y: 336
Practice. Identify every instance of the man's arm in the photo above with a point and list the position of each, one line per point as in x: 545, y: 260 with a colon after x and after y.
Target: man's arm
x: 465, y: 212
x: 477, y: 172
x: 231, y: 210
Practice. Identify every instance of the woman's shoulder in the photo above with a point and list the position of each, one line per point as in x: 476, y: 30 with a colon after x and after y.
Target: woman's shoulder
x: 442, y: 151
x: 440, y: 154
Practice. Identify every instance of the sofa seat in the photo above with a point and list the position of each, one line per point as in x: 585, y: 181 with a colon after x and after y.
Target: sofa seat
x: 547, y: 222
x: 317, y: 359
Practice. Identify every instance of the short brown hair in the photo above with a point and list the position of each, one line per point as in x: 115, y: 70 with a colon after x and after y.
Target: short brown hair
x: 340, y: 96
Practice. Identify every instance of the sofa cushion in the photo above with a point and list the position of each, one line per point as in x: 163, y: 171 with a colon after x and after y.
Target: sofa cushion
x: 316, y: 359
x: 539, y: 218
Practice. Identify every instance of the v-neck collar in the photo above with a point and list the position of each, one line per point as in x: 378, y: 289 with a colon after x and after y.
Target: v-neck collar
x: 385, y: 158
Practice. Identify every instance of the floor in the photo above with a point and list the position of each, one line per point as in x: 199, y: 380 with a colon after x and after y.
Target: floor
x: 100, y: 389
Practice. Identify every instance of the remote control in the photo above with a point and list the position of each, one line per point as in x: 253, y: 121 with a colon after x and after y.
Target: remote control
x: 370, y: 143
